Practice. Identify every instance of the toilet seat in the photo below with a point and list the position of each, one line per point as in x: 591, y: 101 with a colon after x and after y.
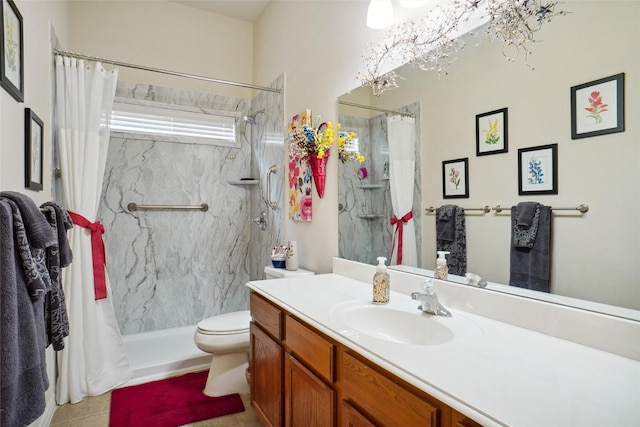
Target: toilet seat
x: 233, y: 323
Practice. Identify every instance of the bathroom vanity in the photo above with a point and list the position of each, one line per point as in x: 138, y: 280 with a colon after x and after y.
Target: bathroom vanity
x: 323, y: 355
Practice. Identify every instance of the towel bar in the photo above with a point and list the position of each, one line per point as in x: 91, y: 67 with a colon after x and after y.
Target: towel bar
x: 484, y: 209
x: 582, y: 208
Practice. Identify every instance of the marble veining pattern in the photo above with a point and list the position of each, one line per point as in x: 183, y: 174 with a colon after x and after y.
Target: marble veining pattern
x: 175, y: 268
x: 365, y: 239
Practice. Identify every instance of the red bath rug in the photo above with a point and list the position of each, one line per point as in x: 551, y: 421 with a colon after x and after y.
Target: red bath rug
x: 169, y: 403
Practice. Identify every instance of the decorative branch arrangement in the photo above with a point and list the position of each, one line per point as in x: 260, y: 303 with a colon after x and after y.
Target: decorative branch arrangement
x: 429, y: 41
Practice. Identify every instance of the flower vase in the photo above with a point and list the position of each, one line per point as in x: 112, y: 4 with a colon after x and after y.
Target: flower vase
x: 291, y: 262
x: 319, y: 171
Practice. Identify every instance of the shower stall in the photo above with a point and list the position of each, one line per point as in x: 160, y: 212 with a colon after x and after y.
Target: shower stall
x: 170, y: 268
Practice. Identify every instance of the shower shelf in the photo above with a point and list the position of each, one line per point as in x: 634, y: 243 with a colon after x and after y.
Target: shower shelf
x: 244, y: 182
x: 369, y: 216
x: 369, y: 186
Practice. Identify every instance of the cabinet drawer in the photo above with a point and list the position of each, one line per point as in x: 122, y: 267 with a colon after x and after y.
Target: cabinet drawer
x: 267, y: 315
x: 316, y: 351
x: 375, y: 395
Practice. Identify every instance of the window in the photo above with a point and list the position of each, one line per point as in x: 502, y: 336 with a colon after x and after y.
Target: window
x: 174, y: 125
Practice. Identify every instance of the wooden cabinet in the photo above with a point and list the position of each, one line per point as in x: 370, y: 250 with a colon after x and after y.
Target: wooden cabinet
x: 460, y: 420
x: 301, y: 377
x: 266, y: 377
x: 384, y: 399
x: 308, y: 400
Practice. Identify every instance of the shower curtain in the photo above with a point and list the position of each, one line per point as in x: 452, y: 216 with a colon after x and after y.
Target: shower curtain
x: 401, y: 135
x: 94, y: 359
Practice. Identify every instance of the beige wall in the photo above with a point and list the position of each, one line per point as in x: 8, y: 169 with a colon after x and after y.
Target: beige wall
x: 318, y: 45
x: 165, y: 35
x: 595, y: 256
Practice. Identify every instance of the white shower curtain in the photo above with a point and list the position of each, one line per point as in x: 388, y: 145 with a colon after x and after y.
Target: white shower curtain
x: 401, y: 136
x: 94, y: 359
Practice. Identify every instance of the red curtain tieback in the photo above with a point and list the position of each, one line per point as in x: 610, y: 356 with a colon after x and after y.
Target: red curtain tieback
x: 399, y: 223
x: 97, y: 252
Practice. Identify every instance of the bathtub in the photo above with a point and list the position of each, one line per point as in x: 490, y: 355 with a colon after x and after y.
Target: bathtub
x: 165, y: 353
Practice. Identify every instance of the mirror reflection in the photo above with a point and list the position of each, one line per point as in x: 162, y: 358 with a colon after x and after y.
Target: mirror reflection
x: 594, y: 255
x: 377, y: 199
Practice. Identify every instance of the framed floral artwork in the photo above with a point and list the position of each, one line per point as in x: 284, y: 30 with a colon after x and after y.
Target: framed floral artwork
x: 11, y: 50
x: 597, y: 107
x: 455, y: 182
x: 33, y: 150
x: 491, y: 132
x: 538, y: 170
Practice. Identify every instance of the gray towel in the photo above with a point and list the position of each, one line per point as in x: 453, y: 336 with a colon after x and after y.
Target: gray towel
x: 457, y: 245
x: 531, y: 267
x: 34, y: 264
x: 23, y: 374
x: 58, y: 256
x: 446, y: 223
x: 525, y: 219
x: 39, y: 233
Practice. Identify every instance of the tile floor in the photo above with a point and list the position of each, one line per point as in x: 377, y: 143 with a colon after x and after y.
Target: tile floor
x: 94, y: 412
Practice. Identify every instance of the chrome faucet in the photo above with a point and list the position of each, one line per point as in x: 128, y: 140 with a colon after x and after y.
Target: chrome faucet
x: 429, y: 300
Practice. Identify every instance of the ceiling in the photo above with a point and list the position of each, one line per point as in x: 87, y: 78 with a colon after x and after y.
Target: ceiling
x: 244, y: 10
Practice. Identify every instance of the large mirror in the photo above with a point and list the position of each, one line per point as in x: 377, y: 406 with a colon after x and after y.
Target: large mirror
x: 595, y: 255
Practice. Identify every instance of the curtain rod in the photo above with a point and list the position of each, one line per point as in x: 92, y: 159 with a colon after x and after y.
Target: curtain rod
x: 351, y: 104
x: 161, y: 71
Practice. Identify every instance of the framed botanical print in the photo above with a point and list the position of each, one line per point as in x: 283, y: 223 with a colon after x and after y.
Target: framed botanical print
x: 538, y: 170
x: 455, y: 181
x: 597, y: 107
x: 491, y: 132
x: 33, y: 150
x: 11, y: 50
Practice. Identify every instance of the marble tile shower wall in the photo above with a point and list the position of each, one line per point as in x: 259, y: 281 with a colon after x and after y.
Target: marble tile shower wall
x: 174, y: 268
x: 268, y: 141
x: 365, y: 208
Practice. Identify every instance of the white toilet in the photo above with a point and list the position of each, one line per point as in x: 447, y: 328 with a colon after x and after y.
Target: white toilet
x: 226, y: 337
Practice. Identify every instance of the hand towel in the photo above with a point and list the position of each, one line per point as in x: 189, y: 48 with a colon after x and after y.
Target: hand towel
x: 525, y: 218
x: 530, y: 267
x: 39, y: 232
x: 56, y: 319
x: 446, y: 223
x: 455, y: 237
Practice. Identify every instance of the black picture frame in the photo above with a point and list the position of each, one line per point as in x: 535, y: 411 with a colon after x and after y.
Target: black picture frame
x: 12, y: 50
x: 455, y: 178
x: 33, y: 150
x: 538, y: 170
x: 492, y: 136
x: 597, y: 107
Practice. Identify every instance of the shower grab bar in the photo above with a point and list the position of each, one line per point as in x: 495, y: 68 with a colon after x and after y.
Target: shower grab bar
x: 273, y: 205
x: 132, y: 207
x: 485, y: 209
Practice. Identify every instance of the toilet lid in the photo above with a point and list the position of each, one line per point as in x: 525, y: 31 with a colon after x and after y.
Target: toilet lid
x: 225, y: 324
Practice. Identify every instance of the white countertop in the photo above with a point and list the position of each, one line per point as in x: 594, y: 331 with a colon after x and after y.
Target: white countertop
x: 493, y: 372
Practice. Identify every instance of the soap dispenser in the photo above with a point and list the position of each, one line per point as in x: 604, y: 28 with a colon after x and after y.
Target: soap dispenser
x: 381, y: 283
x: 442, y: 271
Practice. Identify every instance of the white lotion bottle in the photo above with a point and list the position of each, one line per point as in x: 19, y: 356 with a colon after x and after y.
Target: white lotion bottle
x: 442, y: 270
x: 381, y: 283
x: 291, y: 262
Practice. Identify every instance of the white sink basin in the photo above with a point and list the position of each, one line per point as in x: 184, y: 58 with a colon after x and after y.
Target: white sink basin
x: 389, y: 324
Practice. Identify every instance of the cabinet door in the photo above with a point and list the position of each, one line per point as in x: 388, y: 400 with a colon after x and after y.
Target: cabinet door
x: 351, y: 417
x: 383, y: 400
x: 308, y: 400
x: 460, y: 420
x: 266, y: 377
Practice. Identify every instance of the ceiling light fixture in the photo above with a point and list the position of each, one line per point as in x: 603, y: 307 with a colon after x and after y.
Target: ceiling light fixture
x: 380, y: 14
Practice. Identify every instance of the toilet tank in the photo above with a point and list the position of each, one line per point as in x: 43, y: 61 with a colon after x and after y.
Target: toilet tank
x: 278, y: 273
